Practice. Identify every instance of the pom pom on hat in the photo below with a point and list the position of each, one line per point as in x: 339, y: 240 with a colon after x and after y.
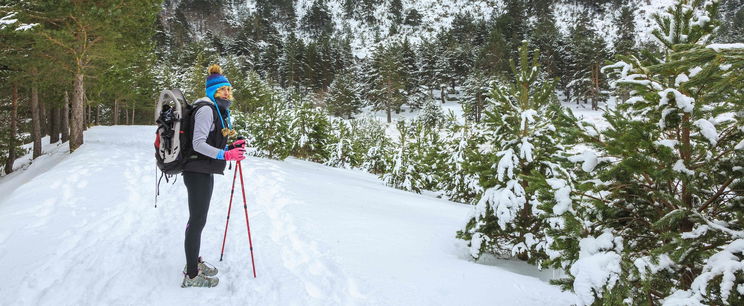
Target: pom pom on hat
x: 214, y: 69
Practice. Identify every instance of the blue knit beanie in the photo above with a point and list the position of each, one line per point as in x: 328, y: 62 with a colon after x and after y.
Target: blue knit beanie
x: 215, y: 80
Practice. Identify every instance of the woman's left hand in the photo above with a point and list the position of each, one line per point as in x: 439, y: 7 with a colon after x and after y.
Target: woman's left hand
x: 240, y: 143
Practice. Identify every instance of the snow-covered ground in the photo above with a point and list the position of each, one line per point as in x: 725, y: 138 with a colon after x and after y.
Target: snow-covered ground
x: 81, y: 229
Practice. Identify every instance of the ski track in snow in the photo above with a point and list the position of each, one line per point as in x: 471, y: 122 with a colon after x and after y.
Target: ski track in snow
x: 82, y: 230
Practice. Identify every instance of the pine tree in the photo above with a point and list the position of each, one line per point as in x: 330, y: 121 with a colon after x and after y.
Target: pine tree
x: 588, y: 52
x: 371, y: 145
x: 664, y: 200
x: 343, y: 97
x: 459, y: 181
x: 626, y: 31
x: 268, y: 129
x: 523, y: 140
x: 432, y: 116
x: 255, y: 93
x: 387, y: 81
x: 341, y: 152
x: 310, y: 129
x: 403, y: 170
x: 473, y: 101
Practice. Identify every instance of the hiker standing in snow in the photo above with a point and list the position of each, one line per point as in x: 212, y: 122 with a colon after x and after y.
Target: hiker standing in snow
x: 211, y: 129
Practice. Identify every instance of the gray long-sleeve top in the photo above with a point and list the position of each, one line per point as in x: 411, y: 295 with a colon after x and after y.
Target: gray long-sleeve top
x: 203, y: 125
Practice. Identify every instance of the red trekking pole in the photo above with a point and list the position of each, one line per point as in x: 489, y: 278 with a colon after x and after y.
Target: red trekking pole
x: 239, y: 168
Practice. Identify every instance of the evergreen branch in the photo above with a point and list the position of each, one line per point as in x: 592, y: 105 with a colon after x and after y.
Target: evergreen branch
x: 733, y: 233
x: 716, y: 195
x: 58, y: 43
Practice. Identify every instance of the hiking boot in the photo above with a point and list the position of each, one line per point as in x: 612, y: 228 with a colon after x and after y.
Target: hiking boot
x: 204, y: 267
x: 200, y: 280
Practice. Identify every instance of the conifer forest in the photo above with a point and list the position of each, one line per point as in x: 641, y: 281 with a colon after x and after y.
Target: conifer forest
x: 479, y: 102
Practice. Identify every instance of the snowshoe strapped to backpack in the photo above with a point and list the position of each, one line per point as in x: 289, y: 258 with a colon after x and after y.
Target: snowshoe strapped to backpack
x: 172, y: 138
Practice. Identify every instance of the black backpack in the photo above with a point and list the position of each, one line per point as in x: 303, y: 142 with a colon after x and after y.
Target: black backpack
x: 173, y: 135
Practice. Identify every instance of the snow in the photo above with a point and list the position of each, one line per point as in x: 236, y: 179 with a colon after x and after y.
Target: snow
x: 684, y: 102
x: 598, y: 266
x: 81, y: 229
x: 670, y: 143
x: 720, y: 47
x: 695, y: 70
x: 681, y: 78
x: 708, y: 130
x: 725, y: 264
x: 525, y: 150
x: 588, y: 159
x: 646, y: 264
x: 562, y: 195
x: 25, y: 27
x: 679, y: 166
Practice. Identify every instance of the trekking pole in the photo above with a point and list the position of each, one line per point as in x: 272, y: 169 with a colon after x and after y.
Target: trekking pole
x: 247, y: 224
x: 229, y: 207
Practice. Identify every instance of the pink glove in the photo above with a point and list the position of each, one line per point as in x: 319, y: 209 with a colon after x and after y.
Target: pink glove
x: 235, y: 154
x: 237, y: 144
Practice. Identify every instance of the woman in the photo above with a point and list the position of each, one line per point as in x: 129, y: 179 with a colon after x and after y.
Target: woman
x: 211, y: 127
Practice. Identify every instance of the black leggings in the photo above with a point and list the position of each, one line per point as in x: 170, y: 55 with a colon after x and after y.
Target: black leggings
x: 199, y: 186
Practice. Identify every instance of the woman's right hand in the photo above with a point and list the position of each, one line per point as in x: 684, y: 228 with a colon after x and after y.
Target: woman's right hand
x: 235, y: 154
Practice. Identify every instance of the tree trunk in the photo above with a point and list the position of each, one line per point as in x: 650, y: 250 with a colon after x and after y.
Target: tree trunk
x: 126, y: 115
x: 43, y: 118
x: 88, y: 117
x: 116, y: 112
x: 389, y: 115
x: 54, y: 118
x: 98, y: 114
x: 133, y: 108
x: 595, y: 87
x: 35, y: 120
x: 478, y: 103
x: 442, y: 93
x: 66, y: 119
x: 13, y: 126
x: 77, y: 122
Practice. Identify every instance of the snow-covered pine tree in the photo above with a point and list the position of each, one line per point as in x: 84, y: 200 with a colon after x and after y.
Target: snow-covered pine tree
x: 339, y: 147
x: 522, y: 140
x: 426, y: 147
x: 667, y: 193
x: 343, y: 99
x: 473, y: 102
x: 459, y: 182
x: 402, y: 169
x: 310, y: 130
x: 369, y: 144
x: 254, y: 93
x: 588, y: 51
x: 269, y: 127
x: 375, y: 159
x: 431, y: 117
